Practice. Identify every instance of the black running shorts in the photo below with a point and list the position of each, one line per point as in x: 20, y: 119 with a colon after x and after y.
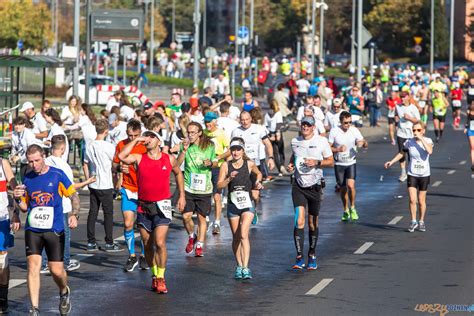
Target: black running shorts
x: 343, y: 173
x: 51, y: 242
x: 310, y: 197
x: 420, y: 183
x: 200, y: 203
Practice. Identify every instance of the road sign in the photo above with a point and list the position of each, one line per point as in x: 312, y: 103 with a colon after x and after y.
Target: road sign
x: 19, y: 44
x: 210, y: 52
x: 418, y: 40
x: 231, y: 38
x: 243, y: 32
x: 418, y: 49
x: 124, y: 26
x: 184, y: 37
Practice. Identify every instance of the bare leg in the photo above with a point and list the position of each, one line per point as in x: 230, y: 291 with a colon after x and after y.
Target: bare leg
x: 188, y: 222
x: 412, y: 192
x: 34, y: 266
x: 246, y: 219
x: 352, y: 191
x: 59, y: 275
x: 234, y: 223
x: 422, y: 204
x: 161, y: 253
x: 202, y: 228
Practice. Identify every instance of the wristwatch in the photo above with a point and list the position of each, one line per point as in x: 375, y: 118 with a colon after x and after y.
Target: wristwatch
x: 76, y: 215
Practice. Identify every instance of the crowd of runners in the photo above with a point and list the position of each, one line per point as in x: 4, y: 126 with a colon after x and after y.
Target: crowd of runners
x: 222, y: 154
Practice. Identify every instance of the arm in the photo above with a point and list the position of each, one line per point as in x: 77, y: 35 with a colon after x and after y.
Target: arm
x: 15, y: 219
x: 42, y: 135
x: 126, y: 156
x: 291, y: 165
x: 362, y: 143
x: 182, y: 154
x: 397, y: 157
x: 179, y: 183
x: 80, y: 185
x: 269, y: 149
x: 224, y: 178
x: 254, y: 169
x: 428, y: 146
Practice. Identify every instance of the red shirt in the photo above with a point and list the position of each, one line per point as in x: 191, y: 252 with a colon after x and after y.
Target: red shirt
x: 392, y: 103
x: 154, y: 178
x: 456, y: 94
x: 129, y: 181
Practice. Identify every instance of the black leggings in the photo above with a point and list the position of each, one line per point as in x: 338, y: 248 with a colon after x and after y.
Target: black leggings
x: 106, y: 199
x: 279, y: 152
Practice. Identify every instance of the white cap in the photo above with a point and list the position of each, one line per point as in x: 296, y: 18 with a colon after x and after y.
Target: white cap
x: 145, y: 133
x: 27, y: 105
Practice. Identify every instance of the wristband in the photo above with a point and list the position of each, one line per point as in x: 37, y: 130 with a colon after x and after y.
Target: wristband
x: 271, y: 157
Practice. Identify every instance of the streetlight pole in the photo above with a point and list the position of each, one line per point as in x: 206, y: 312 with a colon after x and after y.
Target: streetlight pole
x: 204, y: 25
x: 152, y: 35
x: 197, y: 20
x: 88, y: 50
x: 77, y: 17
x: 173, y: 21
x: 236, y: 46
x: 313, y: 34
x: 252, y: 8
x: 322, y: 6
x: 451, y: 38
x: 243, y: 42
x: 353, y: 55
x: 359, y: 40
x: 432, y: 38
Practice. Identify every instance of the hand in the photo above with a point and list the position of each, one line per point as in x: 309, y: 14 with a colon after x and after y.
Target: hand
x: 388, y: 164
x: 91, y: 180
x: 407, y: 117
x: 272, y: 138
x: 14, y: 159
x: 20, y: 191
x: 185, y: 143
x: 311, y: 162
x: 124, y: 169
x: 271, y: 163
x: 140, y: 139
x: 233, y: 174
x: 181, y: 203
x: 258, y: 186
x: 365, y: 144
x: 72, y: 221
x: 15, y: 223
x: 342, y: 148
x: 465, y: 131
x: 207, y: 163
x: 290, y: 167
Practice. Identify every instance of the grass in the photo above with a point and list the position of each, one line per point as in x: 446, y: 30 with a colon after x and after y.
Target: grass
x: 336, y: 72
x: 163, y: 80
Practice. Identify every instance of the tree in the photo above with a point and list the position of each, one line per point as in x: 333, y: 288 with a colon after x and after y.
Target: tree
x: 21, y: 19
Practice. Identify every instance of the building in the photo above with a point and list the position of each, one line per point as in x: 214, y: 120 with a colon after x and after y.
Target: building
x: 463, y: 28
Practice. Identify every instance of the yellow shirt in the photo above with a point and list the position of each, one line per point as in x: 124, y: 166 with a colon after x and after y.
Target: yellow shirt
x: 221, y: 142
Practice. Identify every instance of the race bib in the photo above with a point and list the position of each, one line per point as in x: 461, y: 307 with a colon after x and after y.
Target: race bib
x: 251, y: 152
x: 344, y: 156
x: 391, y: 113
x: 471, y: 125
x: 301, y: 166
x: 41, y: 217
x: 241, y: 199
x: 470, y: 91
x: 422, y: 104
x: 457, y: 103
x: 165, y: 208
x: 419, y: 167
x: 131, y: 195
x: 439, y: 111
x: 198, y: 182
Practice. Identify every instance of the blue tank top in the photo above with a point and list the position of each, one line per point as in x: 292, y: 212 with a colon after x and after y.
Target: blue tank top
x: 247, y: 107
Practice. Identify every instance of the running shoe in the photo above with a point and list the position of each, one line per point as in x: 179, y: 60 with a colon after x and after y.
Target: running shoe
x: 299, y: 264
x: 161, y: 286
x: 312, y: 265
x: 131, y: 264
x: 73, y: 265
x: 421, y: 226
x: 3, y: 306
x: 216, y: 229
x: 198, y: 252
x: 34, y: 311
x: 45, y: 270
x: 190, y: 245
x: 345, y: 216
x: 413, y: 226
x: 238, y: 273
x: 246, y: 274
x: 403, y: 177
x: 92, y: 247
x: 255, y: 218
x: 142, y: 263
x: 154, y: 283
x: 65, y: 302
x: 354, y: 215
x: 113, y: 248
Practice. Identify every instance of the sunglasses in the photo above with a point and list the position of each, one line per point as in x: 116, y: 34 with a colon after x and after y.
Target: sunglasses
x: 349, y: 122
x: 417, y: 130
x: 192, y: 133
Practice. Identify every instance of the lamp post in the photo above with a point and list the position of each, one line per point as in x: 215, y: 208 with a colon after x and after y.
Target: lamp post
x: 322, y: 6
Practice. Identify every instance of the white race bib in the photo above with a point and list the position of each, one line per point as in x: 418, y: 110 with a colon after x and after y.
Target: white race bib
x: 457, y: 103
x: 471, y: 125
x: 251, y: 152
x: 131, y: 195
x: 301, y: 166
x: 41, y: 217
x: 344, y: 156
x: 241, y: 199
x: 439, y: 111
x: 198, y: 182
x: 422, y: 104
x: 391, y: 113
x: 165, y: 208
x: 470, y: 91
x: 419, y: 167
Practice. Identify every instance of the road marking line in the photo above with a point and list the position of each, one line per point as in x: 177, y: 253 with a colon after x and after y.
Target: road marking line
x: 463, y: 162
x: 437, y: 183
x: 395, y: 220
x: 122, y: 238
x: 84, y: 256
x: 451, y: 171
x: 363, y: 248
x: 15, y: 282
x: 319, y: 287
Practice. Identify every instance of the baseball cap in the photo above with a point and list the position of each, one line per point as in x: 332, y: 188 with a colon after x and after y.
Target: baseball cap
x: 395, y: 88
x: 236, y: 143
x: 27, y: 105
x: 210, y: 116
x: 337, y: 101
x: 153, y: 133
x: 112, y: 118
x: 148, y: 105
x: 308, y: 120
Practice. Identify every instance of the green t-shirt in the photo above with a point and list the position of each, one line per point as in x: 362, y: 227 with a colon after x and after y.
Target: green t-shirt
x: 197, y: 177
x: 439, y: 107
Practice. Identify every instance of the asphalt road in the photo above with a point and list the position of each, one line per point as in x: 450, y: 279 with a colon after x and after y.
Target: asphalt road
x: 396, y: 272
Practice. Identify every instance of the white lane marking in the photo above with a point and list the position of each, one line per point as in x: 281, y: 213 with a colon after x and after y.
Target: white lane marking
x: 463, y: 162
x: 15, y: 282
x: 319, y: 287
x: 363, y: 248
x: 122, y: 238
x: 437, y: 183
x: 451, y: 171
x: 84, y: 256
x: 395, y: 220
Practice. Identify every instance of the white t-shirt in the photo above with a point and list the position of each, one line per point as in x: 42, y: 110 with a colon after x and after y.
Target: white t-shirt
x: 58, y: 130
x: 315, y: 148
x: 318, y: 113
x: 272, y: 122
x: 111, y: 103
x: 21, y: 142
x: 303, y: 85
x: 39, y: 123
x: 59, y: 163
x: 404, y: 129
x: 127, y: 113
x: 66, y: 116
x: 253, y: 137
x: 234, y: 112
x: 88, y: 129
x: 227, y: 125
x: 337, y: 137
x: 118, y: 133
x: 332, y: 119
x: 418, y: 157
x: 99, y: 155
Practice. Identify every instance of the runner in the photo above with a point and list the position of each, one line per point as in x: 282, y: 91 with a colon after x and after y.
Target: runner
x: 419, y: 149
x: 129, y: 195
x: 439, y: 106
x: 236, y: 175
x: 469, y: 131
x: 406, y: 115
x: 154, y: 210
x: 249, y: 102
x: 311, y: 152
x: 456, y: 97
x: 198, y: 155
x: 392, y: 103
x: 41, y: 197
x: 423, y: 96
x: 331, y: 119
x: 7, y: 180
x: 343, y: 141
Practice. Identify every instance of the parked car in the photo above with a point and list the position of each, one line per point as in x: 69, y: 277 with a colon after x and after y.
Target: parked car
x: 95, y: 97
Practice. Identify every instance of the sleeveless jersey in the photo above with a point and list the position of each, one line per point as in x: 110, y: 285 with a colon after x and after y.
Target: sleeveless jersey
x: 154, y: 178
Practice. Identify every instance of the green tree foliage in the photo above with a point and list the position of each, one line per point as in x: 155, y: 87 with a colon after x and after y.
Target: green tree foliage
x: 21, y: 19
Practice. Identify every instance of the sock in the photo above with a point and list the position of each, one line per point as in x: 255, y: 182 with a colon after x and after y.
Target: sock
x: 192, y: 235
x: 199, y: 244
x: 217, y: 222
x: 414, y: 221
x: 130, y: 240
x: 404, y: 171
x: 160, y: 273
x: 313, y: 240
x: 154, y: 271
x: 142, y: 253
x: 436, y: 132
x: 440, y: 132
x: 299, y: 240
